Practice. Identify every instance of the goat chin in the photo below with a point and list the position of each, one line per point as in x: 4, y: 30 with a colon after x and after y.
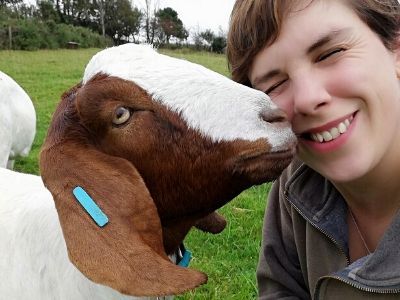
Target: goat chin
x: 17, y: 121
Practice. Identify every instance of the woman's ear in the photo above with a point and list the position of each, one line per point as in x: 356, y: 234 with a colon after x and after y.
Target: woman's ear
x: 127, y: 253
x: 396, y: 51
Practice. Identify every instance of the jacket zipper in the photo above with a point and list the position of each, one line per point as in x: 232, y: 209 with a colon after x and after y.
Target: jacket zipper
x: 319, y: 229
x: 351, y: 283
x: 316, y: 294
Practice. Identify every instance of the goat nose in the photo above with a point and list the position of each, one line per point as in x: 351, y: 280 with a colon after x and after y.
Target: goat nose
x: 274, y: 116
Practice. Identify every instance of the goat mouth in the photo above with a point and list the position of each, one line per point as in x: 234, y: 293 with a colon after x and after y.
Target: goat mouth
x: 269, y: 155
x: 262, y: 167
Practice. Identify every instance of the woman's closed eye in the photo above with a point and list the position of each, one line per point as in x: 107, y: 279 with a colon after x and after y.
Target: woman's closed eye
x: 329, y: 54
x: 274, y: 87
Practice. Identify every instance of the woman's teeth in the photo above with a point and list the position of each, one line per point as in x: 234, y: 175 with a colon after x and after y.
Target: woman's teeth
x: 333, y: 133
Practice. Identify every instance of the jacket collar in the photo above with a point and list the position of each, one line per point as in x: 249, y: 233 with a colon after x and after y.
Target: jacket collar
x: 317, y: 200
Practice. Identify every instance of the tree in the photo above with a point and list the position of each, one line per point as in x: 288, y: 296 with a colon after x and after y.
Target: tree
x: 10, y: 3
x: 46, y: 11
x: 203, y: 39
x: 170, y: 25
x: 219, y: 42
x: 26, y: 11
x: 102, y: 13
x: 9, y: 14
x: 75, y: 12
x: 116, y: 18
x: 11, y: 7
x: 122, y: 21
x: 207, y: 35
x: 150, y: 21
x: 78, y: 12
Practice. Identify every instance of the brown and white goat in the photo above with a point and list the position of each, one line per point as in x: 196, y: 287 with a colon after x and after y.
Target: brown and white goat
x: 159, y: 144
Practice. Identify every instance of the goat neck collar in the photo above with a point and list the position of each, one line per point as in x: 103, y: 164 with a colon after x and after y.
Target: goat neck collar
x: 183, y: 256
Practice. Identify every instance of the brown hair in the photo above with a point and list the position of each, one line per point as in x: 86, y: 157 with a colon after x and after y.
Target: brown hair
x: 257, y: 23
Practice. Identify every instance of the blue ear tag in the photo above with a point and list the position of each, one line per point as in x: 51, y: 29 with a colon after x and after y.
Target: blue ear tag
x: 90, y: 206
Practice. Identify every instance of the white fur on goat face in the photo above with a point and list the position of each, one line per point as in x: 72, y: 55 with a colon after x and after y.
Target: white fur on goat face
x: 203, y: 98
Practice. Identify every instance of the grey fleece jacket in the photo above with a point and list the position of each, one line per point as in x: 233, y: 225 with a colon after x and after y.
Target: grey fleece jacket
x: 304, y: 252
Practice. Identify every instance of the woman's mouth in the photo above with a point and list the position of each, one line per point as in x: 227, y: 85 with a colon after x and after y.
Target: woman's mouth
x: 331, y: 133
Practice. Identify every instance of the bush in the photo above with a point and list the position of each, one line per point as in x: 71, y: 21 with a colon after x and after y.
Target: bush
x: 218, y: 44
x: 28, y: 35
x: 32, y: 34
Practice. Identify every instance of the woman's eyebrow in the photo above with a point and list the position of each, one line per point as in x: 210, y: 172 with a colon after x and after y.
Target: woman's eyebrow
x: 265, y: 77
x: 326, y: 38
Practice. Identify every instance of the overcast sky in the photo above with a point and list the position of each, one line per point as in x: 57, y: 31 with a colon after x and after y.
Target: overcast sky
x: 202, y: 14
x: 205, y: 14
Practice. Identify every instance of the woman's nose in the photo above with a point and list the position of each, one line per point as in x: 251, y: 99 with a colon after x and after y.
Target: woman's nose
x: 309, y: 95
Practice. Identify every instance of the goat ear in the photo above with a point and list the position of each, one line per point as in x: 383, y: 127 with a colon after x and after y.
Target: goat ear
x: 126, y: 254
x: 212, y: 223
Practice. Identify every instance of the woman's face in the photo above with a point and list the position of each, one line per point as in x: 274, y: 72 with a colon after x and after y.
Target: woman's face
x: 339, y: 87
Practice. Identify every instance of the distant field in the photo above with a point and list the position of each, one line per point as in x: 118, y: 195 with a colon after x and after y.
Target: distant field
x: 229, y: 258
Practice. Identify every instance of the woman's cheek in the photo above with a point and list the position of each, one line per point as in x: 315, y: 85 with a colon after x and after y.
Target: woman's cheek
x: 285, y: 102
x: 346, y: 80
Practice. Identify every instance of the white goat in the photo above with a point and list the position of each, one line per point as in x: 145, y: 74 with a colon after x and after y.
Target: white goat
x: 156, y: 161
x: 17, y: 121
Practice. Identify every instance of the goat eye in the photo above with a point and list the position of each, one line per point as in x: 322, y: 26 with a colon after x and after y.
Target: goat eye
x: 121, y: 115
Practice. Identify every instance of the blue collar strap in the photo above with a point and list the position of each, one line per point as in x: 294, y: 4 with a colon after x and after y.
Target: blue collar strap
x: 183, y: 256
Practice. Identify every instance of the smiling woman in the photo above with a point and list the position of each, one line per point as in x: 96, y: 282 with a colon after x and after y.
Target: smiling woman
x: 334, y: 68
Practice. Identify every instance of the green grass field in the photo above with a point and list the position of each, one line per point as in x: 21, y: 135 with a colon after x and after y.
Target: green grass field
x: 229, y: 258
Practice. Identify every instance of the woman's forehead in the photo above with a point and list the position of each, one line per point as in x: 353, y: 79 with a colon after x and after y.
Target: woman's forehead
x: 319, y: 20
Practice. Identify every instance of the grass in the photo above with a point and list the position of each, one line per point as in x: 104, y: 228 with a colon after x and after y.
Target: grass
x: 229, y: 258
x: 44, y: 75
